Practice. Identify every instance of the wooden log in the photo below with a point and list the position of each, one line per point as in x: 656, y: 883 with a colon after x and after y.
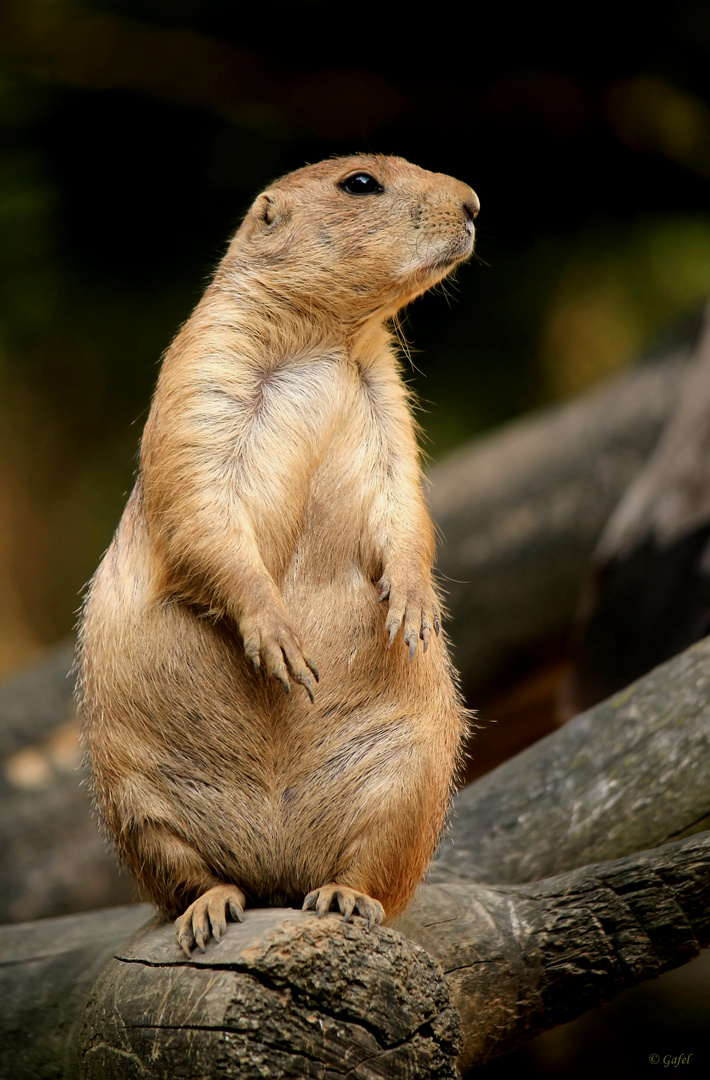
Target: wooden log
x: 629, y: 770
x: 521, y: 959
x: 282, y: 991
x: 521, y: 511
x: 285, y: 994
x: 47, y: 971
x: 671, y: 495
x: 629, y: 774
x: 647, y: 593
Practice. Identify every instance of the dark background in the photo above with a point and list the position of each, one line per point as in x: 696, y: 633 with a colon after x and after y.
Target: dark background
x: 136, y: 134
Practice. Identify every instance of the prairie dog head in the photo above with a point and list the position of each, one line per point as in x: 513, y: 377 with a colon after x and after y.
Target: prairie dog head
x: 358, y: 236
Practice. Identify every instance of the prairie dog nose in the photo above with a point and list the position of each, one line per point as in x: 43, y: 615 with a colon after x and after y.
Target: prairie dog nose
x: 471, y: 206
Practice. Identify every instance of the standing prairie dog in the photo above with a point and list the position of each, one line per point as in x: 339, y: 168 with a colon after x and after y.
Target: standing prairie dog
x: 277, y: 538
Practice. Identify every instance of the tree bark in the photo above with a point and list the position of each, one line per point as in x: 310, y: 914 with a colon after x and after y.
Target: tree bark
x: 285, y: 994
x: 468, y: 970
x: 521, y: 959
x: 629, y: 774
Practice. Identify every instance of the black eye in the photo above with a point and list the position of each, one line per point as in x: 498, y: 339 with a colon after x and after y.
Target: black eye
x: 361, y: 184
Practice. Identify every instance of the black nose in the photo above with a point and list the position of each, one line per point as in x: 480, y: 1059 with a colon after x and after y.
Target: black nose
x: 471, y: 208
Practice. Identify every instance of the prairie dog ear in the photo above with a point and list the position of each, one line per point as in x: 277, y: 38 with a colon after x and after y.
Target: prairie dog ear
x: 268, y: 209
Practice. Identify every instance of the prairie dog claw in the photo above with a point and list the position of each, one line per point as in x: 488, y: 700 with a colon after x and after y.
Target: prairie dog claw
x: 272, y: 643
x: 348, y: 901
x: 413, y: 610
x: 208, y: 916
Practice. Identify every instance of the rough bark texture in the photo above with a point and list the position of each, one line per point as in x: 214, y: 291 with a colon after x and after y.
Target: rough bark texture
x: 629, y: 774
x: 287, y: 995
x: 521, y: 511
x: 284, y: 994
x: 518, y: 959
x: 521, y: 959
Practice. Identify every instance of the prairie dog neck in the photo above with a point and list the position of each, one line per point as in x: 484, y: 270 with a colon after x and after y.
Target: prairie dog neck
x: 234, y: 331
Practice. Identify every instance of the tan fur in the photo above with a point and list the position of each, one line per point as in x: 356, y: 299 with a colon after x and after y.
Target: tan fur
x: 278, y: 500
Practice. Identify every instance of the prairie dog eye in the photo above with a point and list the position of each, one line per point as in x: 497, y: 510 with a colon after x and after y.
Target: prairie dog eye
x: 361, y: 183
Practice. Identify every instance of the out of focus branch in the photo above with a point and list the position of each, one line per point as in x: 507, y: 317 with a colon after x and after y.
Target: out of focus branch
x: 521, y: 511
x: 647, y: 593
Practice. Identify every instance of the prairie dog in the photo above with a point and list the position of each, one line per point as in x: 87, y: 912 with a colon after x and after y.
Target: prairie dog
x: 277, y: 538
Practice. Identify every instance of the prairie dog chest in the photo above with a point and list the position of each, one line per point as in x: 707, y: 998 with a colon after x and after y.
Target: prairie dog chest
x: 332, y: 432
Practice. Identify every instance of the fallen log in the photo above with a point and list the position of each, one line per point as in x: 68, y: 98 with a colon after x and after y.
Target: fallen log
x: 631, y: 773
x: 647, y: 592
x: 47, y: 971
x: 468, y: 972
x: 521, y: 959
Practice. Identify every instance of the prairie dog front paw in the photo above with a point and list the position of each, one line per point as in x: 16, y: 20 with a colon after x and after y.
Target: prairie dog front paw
x: 413, y: 608
x: 270, y: 640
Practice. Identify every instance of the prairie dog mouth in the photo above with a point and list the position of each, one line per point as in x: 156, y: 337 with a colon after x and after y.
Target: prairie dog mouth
x: 435, y: 264
x: 456, y: 251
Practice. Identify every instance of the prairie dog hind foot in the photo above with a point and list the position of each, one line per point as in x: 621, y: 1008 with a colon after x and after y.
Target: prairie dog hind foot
x: 208, y: 916
x: 348, y: 901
